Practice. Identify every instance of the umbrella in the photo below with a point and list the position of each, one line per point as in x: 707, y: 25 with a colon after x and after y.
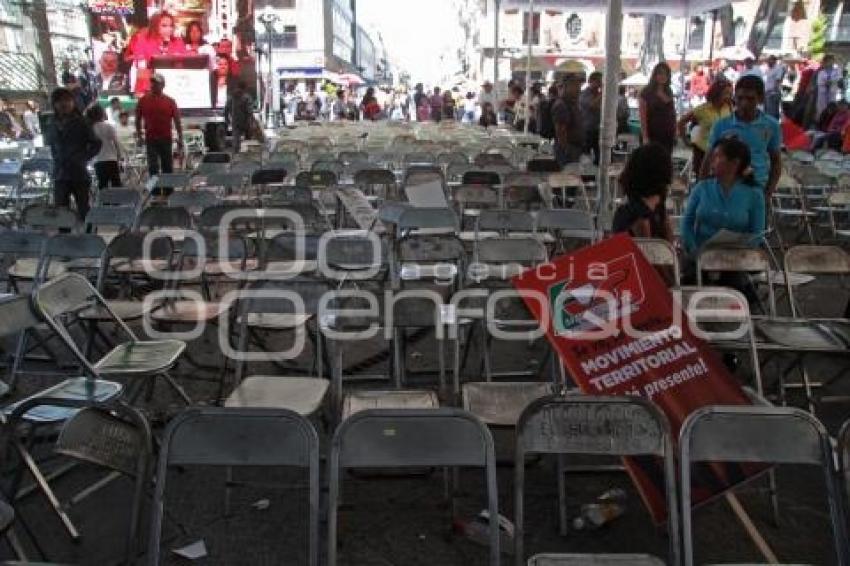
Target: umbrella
x: 736, y: 53
x: 350, y: 79
x: 638, y: 79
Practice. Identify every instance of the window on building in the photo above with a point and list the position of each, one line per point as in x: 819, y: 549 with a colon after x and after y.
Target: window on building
x: 534, y: 33
x: 740, y: 27
x: 696, y: 39
x: 289, y: 37
x: 574, y: 26
x: 774, y: 40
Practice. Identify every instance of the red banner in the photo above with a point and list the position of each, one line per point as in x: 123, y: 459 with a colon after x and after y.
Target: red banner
x: 618, y: 331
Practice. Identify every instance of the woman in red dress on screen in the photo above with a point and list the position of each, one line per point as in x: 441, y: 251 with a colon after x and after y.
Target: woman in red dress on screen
x: 158, y: 38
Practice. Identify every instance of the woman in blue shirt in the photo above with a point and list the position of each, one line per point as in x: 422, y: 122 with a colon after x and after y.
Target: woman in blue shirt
x: 728, y: 201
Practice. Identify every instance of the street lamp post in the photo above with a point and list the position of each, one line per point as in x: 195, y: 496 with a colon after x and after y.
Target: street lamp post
x: 268, y: 18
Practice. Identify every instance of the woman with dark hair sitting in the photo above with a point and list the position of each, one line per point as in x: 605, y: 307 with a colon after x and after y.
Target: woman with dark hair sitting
x: 644, y: 181
x: 731, y: 201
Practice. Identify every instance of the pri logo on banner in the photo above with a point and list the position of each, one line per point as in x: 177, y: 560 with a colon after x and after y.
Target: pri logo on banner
x: 584, y: 307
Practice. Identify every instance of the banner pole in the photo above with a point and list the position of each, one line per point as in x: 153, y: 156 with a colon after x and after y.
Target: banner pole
x: 751, y: 529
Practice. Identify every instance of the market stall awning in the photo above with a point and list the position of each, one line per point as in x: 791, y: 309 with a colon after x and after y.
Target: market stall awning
x: 675, y: 8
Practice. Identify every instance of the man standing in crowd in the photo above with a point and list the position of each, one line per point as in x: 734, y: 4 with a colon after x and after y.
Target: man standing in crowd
x: 828, y: 84
x: 590, y: 104
x: 544, y: 113
x: 72, y: 144
x: 239, y: 111
x: 486, y: 95
x: 157, y: 111
x: 569, y: 139
x: 759, y: 131
x: 774, y: 73
x: 436, y: 102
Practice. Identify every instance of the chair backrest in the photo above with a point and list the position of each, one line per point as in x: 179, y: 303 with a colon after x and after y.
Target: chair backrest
x: 22, y: 243
x: 131, y: 245
x: 115, y: 196
x: 216, y: 157
x: 742, y: 260
x: 346, y: 251
x: 335, y: 167
x: 204, y: 169
x: 503, y: 220
x: 452, y: 159
x: 488, y: 159
x: 238, y: 437
x: 245, y: 167
x: 476, y: 196
x: 268, y: 176
x: 124, y: 217
x: 524, y: 251
x: 815, y: 260
x: 428, y: 219
x: 419, y: 158
x: 776, y: 435
x: 70, y: 247
x: 660, y: 253
x: 16, y: 315
x: 348, y: 157
x: 194, y: 201
x: 210, y: 246
x: 431, y: 248
x: 374, y: 176
x: 316, y: 179
x: 599, y: 426
x: 172, y: 181
x: 241, y: 218
x: 291, y: 195
x: 378, y: 438
x: 165, y: 217
x: 481, y: 178
x: 43, y: 217
x: 542, y: 165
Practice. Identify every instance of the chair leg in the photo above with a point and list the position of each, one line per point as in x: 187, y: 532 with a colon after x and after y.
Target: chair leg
x: 176, y: 387
x: 562, y: 495
x: 30, y: 464
x: 485, y: 353
x: 441, y: 361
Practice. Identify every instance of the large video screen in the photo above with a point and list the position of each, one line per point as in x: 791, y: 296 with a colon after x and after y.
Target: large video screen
x: 201, y: 47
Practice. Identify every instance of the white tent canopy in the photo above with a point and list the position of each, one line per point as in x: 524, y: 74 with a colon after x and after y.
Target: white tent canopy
x: 673, y: 8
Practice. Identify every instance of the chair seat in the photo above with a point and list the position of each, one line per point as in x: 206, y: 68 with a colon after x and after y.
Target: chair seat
x: 390, y: 399
x: 276, y: 321
x: 190, y: 311
x: 501, y: 403
x: 778, y: 278
x: 146, y: 357
x: 414, y: 271
x: 139, y: 265
x: 25, y: 268
x: 793, y: 212
x: 123, y: 309
x: 291, y: 268
x: 74, y: 389
x: 222, y: 267
x: 482, y: 271
x: 302, y: 395
x: 806, y: 334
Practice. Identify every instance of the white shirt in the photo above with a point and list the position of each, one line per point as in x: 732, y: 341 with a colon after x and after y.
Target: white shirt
x: 827, y: 87
x: 110, y: 147
x: 773, y: 78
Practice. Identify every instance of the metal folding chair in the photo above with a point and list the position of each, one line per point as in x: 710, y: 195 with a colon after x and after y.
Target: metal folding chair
x: 49, y: 219
x: 662, y: 255
x: 569, y: 228
x: 117, y: 196
x: 194, y: 201
x: 173, y: 220
x: 776, y: 435
x: 745, y: 261
x: 480, y: 177
x: 162, y: 185
x: 381, y: 438
x: 108, y: 221
x: 279, y: 306
x: 66, y: 296
x: 599, y: 426
x: 21, y: 250
x: 268, y: 438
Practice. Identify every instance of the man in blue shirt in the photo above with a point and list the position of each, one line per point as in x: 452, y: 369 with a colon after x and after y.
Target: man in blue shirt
x: 759, y: 131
